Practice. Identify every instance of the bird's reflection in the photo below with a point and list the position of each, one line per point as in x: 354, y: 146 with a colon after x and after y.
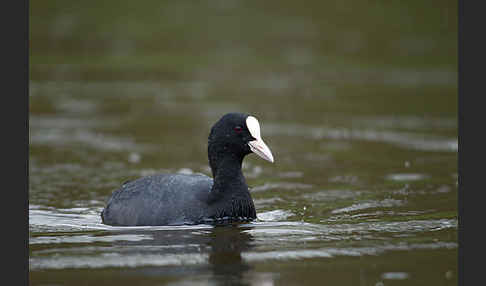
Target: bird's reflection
x: 227, y: 243
x: 222, y: 245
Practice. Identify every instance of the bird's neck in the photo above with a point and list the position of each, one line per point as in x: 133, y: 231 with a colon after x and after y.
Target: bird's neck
x: 228, y: 177
x: 230, y: 195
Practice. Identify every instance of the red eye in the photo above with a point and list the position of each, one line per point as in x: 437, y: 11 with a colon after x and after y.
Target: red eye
x: 238, y: 129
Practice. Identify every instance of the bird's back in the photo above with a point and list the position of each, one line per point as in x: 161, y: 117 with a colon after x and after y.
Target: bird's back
x: 162, y: 199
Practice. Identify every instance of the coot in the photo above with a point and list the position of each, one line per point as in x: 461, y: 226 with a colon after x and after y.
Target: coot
x: 177, y: 199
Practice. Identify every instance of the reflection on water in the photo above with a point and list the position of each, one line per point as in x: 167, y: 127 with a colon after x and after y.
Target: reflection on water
x: 225, y: 258
x: 218, y: 249
x: 228, y: 249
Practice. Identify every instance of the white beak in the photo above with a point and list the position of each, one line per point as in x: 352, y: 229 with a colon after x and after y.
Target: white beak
x: 261, y: 149
x: 258, y: 146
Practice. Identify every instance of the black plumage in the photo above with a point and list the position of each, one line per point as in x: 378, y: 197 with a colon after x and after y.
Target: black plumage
x: 176, y: 199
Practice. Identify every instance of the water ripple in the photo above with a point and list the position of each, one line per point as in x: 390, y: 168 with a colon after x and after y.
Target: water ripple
x: 333, y: 252
x: 386, y: 203
x: 415, y: 141
x: 116, y: 260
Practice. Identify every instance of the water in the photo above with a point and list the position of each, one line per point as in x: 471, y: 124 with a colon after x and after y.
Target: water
x: 361, y: 118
